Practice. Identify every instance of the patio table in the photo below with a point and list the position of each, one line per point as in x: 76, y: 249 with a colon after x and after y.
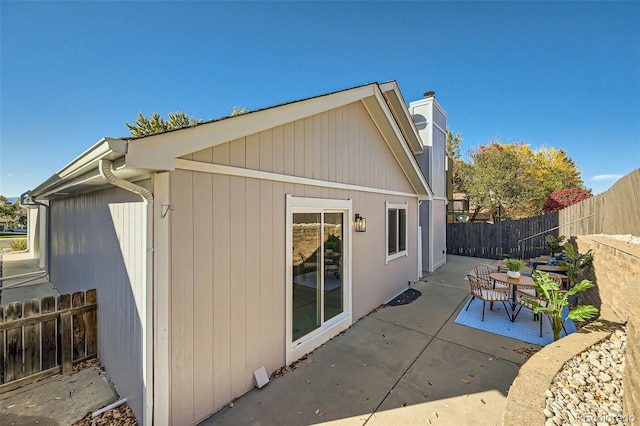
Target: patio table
x: 523, y: 281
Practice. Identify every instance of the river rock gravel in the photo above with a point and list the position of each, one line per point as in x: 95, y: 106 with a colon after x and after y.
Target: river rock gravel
x: 588, y: 390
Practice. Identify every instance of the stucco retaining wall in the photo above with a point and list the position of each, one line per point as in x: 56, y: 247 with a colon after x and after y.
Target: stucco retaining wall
x: 616, y: 273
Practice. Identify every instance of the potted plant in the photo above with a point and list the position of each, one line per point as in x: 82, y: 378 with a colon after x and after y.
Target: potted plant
x: 332, y: 244
x: 554, y: 244
x: 555, y: 301
x: 513, y: 267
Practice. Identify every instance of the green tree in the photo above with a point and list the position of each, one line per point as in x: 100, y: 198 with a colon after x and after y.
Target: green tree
x: 237, y: 111
x: 497, y: 179
x: 512, y: 181
x: 12, y: 213
x: 144, y: 126
x: 453, y: 144
x: 452, y: 147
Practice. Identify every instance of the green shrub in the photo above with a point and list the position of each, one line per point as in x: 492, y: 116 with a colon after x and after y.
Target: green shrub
x: 514, y: 265
x: 19, y: 245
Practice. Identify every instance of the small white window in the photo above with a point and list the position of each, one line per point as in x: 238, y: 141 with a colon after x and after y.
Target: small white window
x: 396, y: 231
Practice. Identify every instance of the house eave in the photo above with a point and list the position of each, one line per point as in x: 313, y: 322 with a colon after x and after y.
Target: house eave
x: 82, y: 174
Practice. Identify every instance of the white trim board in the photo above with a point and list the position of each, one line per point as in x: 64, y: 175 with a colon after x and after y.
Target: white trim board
x: 220, y: 169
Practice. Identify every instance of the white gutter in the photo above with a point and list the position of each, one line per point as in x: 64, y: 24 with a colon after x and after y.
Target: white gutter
x: 106, y: 170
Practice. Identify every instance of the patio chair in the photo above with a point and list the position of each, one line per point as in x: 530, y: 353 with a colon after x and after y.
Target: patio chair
x: 485, y: 292
x: 307, y: 264
x: 483, y: 271
x: 333, y: 265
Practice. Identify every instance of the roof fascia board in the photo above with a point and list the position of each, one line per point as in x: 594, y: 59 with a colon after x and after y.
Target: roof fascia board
x: 84, y: 170
x: 390, y: 130
x: 399, y: 107
x: 80, y: 165
x: 160, y: 151
x: 101, y: 149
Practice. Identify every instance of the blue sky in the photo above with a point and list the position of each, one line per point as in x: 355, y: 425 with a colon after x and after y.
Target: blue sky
x: 550, y: 74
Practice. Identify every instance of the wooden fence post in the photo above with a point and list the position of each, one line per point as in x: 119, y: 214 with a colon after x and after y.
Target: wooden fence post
x: 31, y: 339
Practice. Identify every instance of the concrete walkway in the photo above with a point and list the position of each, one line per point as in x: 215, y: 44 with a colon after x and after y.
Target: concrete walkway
x: 15, y: 264
x: 401, y: 365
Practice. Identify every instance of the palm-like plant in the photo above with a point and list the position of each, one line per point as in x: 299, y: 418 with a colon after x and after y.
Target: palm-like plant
x: 555, y: 300
x: 554, y: 244
x: 575, y: 262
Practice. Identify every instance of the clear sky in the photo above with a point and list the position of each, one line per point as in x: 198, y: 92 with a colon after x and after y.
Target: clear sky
x: 550, y: 74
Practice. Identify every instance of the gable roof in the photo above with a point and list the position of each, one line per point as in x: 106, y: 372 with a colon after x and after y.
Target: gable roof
x: 134, y: 157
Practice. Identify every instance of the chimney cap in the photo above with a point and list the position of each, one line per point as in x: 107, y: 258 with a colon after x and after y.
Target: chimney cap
x: 430, y: 94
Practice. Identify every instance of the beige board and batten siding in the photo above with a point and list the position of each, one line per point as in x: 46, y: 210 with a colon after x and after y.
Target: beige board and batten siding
x: 85, y: 229
x: 228, y: 248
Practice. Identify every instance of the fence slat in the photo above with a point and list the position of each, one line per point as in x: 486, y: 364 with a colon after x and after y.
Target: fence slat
x: 31, y: 339
x: 66, y: 348
x: 49, y: 358
x: 64, y: 302
x: 13, y: 369
x: 79, y: 328
x: 92, y: 325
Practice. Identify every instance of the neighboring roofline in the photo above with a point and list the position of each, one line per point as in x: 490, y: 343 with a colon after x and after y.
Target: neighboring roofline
x: 158, y: 152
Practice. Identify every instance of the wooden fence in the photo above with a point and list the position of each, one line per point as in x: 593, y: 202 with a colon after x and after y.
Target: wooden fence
x: 523, y: 238
x: 43, y: 337
x: 615, y: 211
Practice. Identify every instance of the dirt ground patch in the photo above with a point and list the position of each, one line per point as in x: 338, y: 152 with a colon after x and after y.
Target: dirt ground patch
x: 119, y: 416
x: 65, y: 400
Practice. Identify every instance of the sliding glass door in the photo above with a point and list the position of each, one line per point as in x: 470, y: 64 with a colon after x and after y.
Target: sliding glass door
x: 318, y: 290
x: 317, y: 270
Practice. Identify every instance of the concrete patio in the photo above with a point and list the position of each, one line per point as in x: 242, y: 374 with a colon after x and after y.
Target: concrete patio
x: 18, y: 264
x: 401, y: 365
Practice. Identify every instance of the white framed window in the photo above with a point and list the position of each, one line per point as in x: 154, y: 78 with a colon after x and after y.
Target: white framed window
x: 396, y: 235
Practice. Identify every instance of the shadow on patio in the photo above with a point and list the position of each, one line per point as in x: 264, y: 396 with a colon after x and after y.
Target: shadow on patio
x: 398, y: 365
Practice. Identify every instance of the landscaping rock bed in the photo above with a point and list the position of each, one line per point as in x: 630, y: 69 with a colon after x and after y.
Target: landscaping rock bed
x: 588, y: 389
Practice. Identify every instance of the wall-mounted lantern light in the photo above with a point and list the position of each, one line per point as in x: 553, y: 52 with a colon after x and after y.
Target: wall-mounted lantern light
x: 361, y: 223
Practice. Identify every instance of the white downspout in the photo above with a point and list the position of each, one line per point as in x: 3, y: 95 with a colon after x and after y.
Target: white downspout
x: 106, y: 170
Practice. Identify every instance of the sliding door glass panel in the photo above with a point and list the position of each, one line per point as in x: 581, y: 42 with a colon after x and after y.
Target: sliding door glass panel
x: 307, y: 279
x: 333, y: 289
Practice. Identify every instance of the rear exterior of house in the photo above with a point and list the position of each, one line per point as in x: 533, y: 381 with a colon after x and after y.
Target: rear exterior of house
x: 230, y: 246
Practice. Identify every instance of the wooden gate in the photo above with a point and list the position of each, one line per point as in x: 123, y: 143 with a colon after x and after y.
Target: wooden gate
x: 43, y: 337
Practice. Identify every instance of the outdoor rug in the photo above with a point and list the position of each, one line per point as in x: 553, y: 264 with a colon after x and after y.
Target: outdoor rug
x: 524, y: 328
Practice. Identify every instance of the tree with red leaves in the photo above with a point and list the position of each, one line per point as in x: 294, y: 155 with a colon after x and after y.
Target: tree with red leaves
x: 561, y: 198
